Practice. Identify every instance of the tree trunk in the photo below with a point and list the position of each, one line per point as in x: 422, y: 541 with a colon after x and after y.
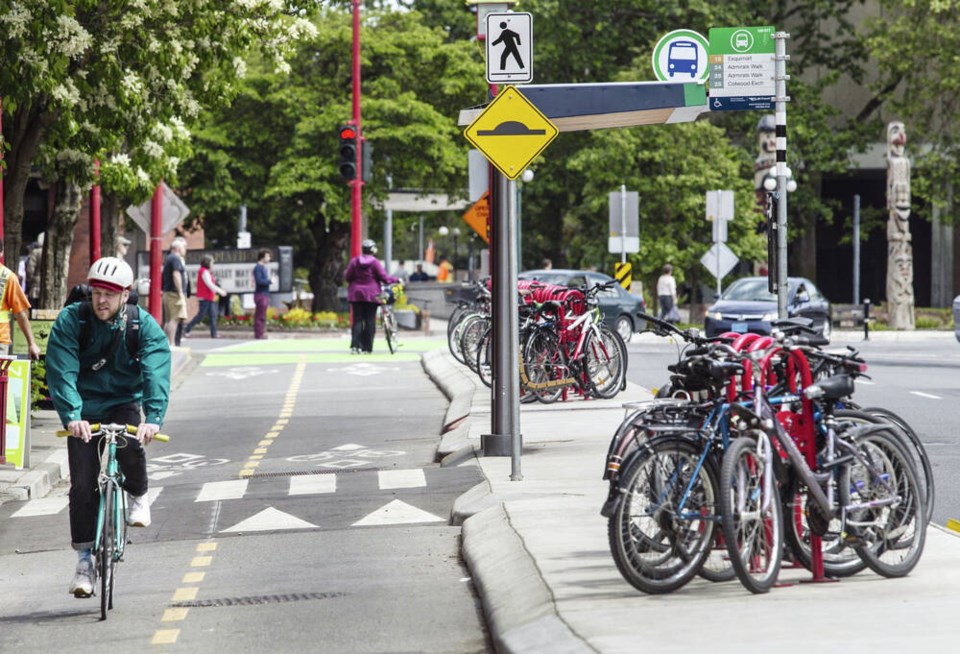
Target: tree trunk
x: 109, y: 224
x: 326, y: 273
x: 30, y: 125
x: 56, y: 249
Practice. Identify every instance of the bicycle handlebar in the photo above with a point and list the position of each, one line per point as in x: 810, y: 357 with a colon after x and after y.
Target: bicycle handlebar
x: 95, y: 427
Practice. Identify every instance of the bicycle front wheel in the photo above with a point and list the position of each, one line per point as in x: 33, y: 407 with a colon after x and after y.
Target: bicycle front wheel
x: 751, y: 513
x: 389, y: 323
x: 663, y: 528
x: 105, y: 553
x: 606, y: 362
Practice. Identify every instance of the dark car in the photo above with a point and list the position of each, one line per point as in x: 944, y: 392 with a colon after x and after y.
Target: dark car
x: 619, y: 308
x: 748, y: 306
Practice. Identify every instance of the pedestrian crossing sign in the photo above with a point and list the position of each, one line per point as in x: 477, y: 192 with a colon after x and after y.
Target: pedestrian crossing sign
x: 509, y: 48
x: 511, y: 132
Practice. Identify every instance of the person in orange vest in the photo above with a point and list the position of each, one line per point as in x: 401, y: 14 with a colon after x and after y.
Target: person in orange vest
x: 444, y: 270
x: 13, y: 303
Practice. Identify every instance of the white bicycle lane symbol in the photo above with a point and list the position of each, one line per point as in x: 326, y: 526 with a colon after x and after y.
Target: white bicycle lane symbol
x: 346, y: 456
x: 179, y: 463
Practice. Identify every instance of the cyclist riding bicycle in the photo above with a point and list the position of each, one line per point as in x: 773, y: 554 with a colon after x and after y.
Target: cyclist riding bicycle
x: 364, y: 275
x: 94, y: 376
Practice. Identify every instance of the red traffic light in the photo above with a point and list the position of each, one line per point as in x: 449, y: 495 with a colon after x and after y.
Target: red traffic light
x: 348, y: 133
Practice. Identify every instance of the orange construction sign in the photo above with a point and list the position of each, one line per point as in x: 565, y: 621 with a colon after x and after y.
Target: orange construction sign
x: 477, y: 216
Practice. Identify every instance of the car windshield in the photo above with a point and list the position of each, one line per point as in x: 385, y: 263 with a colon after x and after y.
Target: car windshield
x: 750, y: 290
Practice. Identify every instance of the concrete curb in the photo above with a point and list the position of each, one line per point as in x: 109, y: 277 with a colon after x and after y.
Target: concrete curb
x: 519, y: 608
x: 453, y: 383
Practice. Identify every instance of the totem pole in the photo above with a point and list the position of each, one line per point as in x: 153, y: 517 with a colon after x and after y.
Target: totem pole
x: 899, y: 250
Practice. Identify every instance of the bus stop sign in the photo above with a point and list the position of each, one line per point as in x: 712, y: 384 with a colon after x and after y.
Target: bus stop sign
x: 681, y: 56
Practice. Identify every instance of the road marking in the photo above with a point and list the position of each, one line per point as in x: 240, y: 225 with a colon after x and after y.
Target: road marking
x: 222, y: 490
x: 270, y: 519
x: 43, y: 506
x: 174, y: 615
x: 313, y: 484
x: 402, y: 479
x: 165, y: 637
x: 953, y: 525
x: 201, y: 561
x: 185, y: 594
x: 921, y: 394
x: 397, y: 513
x: 193, y: 577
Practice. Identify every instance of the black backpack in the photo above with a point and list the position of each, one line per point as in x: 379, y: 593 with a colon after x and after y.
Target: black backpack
x: 81, y: 293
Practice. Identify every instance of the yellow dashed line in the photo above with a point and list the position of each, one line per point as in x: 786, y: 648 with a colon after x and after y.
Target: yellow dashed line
x: 206, y: 547
x: 264, y: 442
x: 201, y: 561
x: 953, y: 525
x: 282, y: 421
x: 185, y: 594
x: 165, y: 636
x: 272, y: 434
x: 174, y: 615
x: 193, y: 577
x: 255, y: 457
x: 251, y: 464
x: 246, y: 472
x: 261, y: 450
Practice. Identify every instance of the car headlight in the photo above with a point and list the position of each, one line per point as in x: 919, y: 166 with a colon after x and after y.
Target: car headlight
x: 769, y: 316
x: 714, y: 315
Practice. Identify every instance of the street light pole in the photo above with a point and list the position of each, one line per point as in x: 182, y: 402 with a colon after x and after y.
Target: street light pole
x: 356, y: 184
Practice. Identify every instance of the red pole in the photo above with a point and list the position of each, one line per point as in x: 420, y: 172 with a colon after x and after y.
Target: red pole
x: 95, y: 215
x: 356, y: 185
x: 156, y: 264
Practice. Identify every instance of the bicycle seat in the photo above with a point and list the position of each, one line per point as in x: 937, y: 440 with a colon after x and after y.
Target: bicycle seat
x: 831, y: 388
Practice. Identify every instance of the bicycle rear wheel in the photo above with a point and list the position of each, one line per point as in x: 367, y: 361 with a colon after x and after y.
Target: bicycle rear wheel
x: 105, y: 552
x: 543, y: 362
x: 389, y: 322
x: 884, y: 502
x: 606, y: 362
x: 751, y: 513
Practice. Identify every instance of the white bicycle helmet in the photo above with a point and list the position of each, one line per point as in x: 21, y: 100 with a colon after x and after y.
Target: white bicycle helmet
x: 111, y: 273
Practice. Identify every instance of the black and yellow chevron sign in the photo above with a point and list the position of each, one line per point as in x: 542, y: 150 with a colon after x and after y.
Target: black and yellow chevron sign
x: 624, y: 274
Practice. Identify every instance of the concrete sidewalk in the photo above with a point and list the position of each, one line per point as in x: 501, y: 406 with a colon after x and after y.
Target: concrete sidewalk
x: 539, y: 555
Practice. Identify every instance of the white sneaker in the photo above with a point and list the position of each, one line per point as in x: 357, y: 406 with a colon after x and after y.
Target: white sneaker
x: 138, y: 511
x: 84, y: 579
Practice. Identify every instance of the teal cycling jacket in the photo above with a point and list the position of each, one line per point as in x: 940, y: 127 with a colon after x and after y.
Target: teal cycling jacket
x: 78, y: 391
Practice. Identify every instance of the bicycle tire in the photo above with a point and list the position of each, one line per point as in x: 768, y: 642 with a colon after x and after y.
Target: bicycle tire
x: 717, y: 567
x: 453, y: 336
x: 105, y: 557
x: 605, y: 362
x: 890, y: 539
x: 470, y: 338
x: 389, y: 321
x: 485, y: 358
x: 839, y: 559
x: 543, y: 361
x: 754, y: 534
x: 655, y: 549
x: 925, y: 469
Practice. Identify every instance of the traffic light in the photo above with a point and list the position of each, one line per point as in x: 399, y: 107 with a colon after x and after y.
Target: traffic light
x: 348, y: 153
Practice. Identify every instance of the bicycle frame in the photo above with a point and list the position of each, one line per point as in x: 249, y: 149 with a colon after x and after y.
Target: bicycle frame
x: 110, y: 480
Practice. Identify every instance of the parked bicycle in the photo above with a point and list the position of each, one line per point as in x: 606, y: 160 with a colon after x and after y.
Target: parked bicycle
x: 387, y: 318
x: 111, y: 538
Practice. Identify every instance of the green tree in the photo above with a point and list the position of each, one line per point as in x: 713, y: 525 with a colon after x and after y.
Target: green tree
x: 275, y: 148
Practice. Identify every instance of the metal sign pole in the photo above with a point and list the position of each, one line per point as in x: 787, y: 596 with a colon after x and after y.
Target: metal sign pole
x: 781, y: 127
x: 623, y: 223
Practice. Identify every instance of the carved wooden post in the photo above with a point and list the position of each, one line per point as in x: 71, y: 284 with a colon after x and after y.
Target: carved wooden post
x: 899, y: 250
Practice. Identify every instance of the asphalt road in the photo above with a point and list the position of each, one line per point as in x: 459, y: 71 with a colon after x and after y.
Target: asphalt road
x: 919, y: 379
x: 296, y: 508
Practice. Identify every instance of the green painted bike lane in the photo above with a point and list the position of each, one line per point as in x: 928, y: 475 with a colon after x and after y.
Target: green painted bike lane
x: 315, y: 350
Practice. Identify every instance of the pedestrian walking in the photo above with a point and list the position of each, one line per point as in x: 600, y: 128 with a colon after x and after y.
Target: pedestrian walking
x: 173, y: 280
x: 261, y: 294
x: 364, y: 275
x: 207, y: 293
x: 667, y: 295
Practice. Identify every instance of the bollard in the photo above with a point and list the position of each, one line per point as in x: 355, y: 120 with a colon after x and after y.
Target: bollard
x: 425, y: 321
x: 4, y: 366
x: 866, y: 319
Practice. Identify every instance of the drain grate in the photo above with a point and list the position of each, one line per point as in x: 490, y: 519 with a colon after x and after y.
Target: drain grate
x: 256, y: 600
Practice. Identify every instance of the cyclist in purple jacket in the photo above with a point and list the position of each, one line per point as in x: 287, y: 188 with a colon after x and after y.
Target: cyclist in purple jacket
x: 364, y: 275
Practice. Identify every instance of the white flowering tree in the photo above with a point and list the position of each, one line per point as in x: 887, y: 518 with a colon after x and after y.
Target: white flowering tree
x: 118, y: 82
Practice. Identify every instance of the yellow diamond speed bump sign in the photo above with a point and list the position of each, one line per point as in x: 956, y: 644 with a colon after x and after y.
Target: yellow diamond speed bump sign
x: 511, y: 132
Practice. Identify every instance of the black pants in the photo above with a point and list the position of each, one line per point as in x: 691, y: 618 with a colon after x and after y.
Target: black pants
x: 85, y: 468
x: 364, y: 325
